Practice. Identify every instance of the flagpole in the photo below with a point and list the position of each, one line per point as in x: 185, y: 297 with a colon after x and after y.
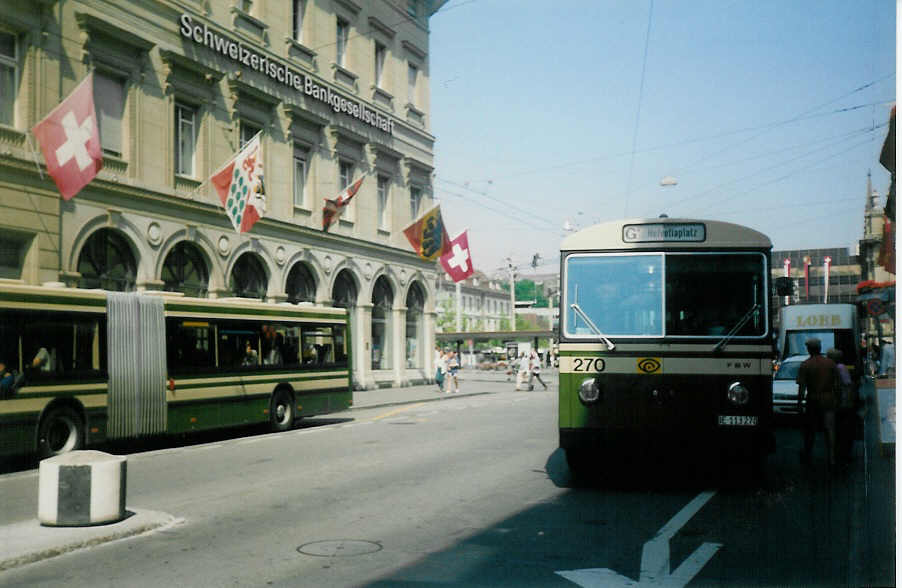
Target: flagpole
x: 34, y: 154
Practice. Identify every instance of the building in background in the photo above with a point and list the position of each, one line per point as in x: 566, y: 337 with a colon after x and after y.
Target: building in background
x: 475, y: 304
x: 338, y: 89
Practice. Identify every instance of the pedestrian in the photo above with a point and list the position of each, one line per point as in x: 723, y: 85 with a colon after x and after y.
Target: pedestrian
x: 7, y: 380
x: 250, y: 354
x: 535, y: 369
x: 887, y: 359
x: 845, y: 408
x: 523, y: 369
x: 440, y: 368
x: 815, y: 380
x: 453, y: 367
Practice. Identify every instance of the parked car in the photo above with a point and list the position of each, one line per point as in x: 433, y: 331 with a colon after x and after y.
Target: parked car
x: 786, y: 391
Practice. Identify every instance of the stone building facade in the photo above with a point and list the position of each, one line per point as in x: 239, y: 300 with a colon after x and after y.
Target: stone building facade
x: 337, y: 89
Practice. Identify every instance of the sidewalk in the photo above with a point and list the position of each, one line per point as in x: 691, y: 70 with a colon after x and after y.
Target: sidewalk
x: 472, y: 383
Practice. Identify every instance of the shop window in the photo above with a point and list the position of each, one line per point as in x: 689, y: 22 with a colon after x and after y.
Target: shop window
x: 301, y: 286
x: 414, y: 327
x: 344, y: 291
x: 382, y: 324
x: 248, y: 278
x: 185, y: 270
x: 106, y: 261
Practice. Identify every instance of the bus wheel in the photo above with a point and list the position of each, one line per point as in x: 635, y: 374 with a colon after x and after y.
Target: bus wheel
x: 579, y: 461
x: 61, y: 430
x: 281, y: 411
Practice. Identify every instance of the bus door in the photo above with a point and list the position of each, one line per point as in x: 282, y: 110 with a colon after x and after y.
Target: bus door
x: 136, y: 334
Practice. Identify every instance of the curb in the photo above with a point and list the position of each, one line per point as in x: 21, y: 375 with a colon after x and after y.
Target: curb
x: 28, y: 541
x: 416, y: 400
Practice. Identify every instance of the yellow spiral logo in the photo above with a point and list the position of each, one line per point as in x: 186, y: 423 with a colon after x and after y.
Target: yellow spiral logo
x: 648, y: 365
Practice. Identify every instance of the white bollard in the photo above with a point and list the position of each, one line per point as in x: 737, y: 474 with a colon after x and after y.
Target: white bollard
x: 81, y: 488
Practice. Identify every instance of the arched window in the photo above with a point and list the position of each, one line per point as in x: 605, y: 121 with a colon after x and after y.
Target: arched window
x: 344, y: 291
x: 414, y: 326
x: 185, y: 270
x: 301, y: 285
x: 106, y: 261
x: 248, y: 278
x: 381, y: 327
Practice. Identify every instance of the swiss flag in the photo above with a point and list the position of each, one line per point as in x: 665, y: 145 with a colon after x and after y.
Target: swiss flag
x: 457, y: 260
x: 70, y: 141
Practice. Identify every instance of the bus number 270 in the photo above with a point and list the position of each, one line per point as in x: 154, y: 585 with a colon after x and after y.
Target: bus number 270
x: 588, y: 364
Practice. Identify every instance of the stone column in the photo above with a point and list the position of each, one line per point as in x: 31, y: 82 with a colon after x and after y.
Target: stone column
x: 362, y: 328
x: 429, y: 318
x: 399, y: 343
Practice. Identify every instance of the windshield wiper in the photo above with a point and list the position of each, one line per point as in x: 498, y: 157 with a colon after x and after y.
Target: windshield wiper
x: 589, y: 322
x: 745, y: 318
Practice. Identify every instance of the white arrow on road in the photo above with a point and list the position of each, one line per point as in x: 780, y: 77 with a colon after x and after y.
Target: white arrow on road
x: 655, y: 567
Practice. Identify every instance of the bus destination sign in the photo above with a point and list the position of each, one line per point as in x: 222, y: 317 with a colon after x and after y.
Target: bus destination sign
x: 664, y: 233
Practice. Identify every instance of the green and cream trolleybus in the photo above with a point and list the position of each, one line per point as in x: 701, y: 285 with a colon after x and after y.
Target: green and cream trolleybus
x: 85, y: 366
x: 665, y: 340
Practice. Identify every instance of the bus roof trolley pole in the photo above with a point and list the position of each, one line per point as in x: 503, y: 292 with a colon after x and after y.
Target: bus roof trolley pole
x: 741, y: 323
x: 589, y: 322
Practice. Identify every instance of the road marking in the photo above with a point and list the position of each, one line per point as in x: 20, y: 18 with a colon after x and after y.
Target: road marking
x: 396, y: 411
x: 655, y: 567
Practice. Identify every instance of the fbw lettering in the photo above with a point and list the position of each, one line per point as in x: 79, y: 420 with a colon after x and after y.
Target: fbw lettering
x: 818, y: 320
x: 738, y: 365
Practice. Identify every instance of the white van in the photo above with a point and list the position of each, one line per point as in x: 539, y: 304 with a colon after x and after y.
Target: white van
x: 836, y: 325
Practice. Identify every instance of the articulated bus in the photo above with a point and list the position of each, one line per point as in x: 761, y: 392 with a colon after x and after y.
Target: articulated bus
x: 89, y: 366
x: 665, y: 341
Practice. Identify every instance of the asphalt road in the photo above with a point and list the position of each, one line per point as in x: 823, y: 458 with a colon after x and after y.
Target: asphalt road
x: 473, y: 492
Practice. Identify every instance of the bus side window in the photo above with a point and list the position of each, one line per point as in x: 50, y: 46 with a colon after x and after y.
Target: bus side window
x: 9, y: 342
x: 188, y: 345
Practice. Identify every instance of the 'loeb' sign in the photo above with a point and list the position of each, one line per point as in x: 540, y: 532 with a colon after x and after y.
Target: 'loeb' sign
x: 203, y: 35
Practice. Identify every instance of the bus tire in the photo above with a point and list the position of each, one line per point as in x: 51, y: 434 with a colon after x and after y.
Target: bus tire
x: 281, y: 410
x: 578, y: 460
x: 61, y: 430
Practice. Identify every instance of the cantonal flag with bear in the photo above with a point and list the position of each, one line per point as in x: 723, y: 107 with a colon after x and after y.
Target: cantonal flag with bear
x: 240, y: 186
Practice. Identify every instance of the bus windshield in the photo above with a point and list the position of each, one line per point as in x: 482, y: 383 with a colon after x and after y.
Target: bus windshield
x: 674, y: 294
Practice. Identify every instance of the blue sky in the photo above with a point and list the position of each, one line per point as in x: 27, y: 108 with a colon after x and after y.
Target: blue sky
x: 767, y: 113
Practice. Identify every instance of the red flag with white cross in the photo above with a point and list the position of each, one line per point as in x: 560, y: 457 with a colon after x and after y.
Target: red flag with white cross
x: 457, y: 261
x: 70, y: 140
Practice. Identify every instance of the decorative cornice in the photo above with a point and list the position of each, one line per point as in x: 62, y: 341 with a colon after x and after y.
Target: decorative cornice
x: 378, y: 25
x: 413, y: 49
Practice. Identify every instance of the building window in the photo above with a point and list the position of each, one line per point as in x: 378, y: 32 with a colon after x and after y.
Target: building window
x: 246, y: 5
x: 185, y: 271
x: 185, y: 139
x: 109, y: 99
x: 248, y: 131
x: 380, y: 63
x: 412, y: 8
x: 412, y: 83
x: 416, y: 197
x: 13, y: 249
x: 300, y: 177
x: 341, y: 41
x: 8, y: 78
x: 297, y: 19
x: 382, y: 201
x: 106, y: 261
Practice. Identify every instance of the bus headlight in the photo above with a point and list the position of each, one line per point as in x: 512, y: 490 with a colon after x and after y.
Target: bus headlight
x: 738, y: 394
x: 589, y: 392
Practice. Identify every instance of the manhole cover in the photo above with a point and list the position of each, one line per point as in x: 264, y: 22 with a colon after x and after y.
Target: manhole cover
x: 339, y: 548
